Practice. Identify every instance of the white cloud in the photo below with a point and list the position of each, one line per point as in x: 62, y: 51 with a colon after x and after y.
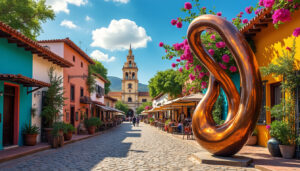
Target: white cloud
x: 120, y: 1
x: 87, y: 18
x: 119, y: 34
x: 100, y: 56
x: 68, y: 24
x: 62, y: 5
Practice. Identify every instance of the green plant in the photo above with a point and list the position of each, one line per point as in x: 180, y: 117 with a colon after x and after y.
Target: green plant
x: 30, y: 129
x: 57, y: 127
x: 151, y: 120
x: 255, y: 132
x: 90, y: 81
x: 217, y: 110
x: 93, y: 121
x: 283, y: 131
x: 167, y: 122
x: 68, y: 128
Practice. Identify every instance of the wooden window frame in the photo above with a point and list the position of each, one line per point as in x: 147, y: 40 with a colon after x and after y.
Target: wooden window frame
x: 72, y: 100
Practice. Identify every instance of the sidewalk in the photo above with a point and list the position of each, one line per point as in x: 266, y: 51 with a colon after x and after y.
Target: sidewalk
x: 262, y: 160
x: 6, y: 155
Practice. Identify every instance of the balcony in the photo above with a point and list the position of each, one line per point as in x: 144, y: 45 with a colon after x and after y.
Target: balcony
x: 85, y: 100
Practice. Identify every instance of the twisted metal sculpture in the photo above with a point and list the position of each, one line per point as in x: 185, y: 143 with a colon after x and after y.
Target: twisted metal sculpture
x: 243, y: 110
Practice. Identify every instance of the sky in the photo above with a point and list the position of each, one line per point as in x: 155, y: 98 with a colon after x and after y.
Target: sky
x: 104, y: 29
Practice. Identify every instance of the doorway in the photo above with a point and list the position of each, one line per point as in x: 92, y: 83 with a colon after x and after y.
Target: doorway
x: 72, y: 111
x: 10, y: 124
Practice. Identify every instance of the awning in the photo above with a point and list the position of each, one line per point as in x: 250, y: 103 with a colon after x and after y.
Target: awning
x: 120, y: 114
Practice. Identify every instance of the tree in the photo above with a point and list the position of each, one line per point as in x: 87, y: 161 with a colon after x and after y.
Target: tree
x: 100, y: 69
x: 26, y: 15
x: 91, y: 83
x: 142, y: 107
x: 169, y: 81
x: 121, y: 106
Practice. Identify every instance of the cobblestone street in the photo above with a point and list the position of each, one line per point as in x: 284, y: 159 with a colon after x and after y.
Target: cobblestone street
x: 122, y: 148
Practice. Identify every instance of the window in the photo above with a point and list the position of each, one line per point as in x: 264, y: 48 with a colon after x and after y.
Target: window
x: 144, y: 100
x: 81, y: 92
x: 275, y: 95
x: 129, y: 85
x: 262, y: 115
x: 72, y: 92
x: 81, y: 65
x: 129, y: 99
x: 130, y: 64
x: 133, y: 75
x: 126, y: 75
x: 73, y: 58
x: 99, y: 91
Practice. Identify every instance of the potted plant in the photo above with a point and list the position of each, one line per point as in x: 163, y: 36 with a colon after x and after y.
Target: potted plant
x: 167, y: 122
x: 68, y: 131
x: 252, y: 140
x: 151, y: 121
x: 92, y: 123
x: 57, y: 133
x: 30, y: 133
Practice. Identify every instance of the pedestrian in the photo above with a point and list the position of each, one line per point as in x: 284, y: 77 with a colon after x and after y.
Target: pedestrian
x: 133, y: 121
x: 137, y: 121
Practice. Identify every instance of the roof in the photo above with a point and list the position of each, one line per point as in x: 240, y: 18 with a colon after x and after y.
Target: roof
x: 110, y: 98
x: 98, y: 103
x: 25, y: 81
x: 72, y: 45
x: 143, y: 93
x: 115, y: 94
x: 261, y: 20
x: 100, y: 77
x: 14, y: 36
x: 158, y: 96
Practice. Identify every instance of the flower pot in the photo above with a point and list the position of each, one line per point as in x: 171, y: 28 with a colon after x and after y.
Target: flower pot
x: 68, y: 136
x: 273, y: 147
x: 61, y: 141
x: 252, y: 140
x: 287, y: 151
x: 48, y: 134
x: 54, y: 141
x: 91, y: 129
x: 30, y: 139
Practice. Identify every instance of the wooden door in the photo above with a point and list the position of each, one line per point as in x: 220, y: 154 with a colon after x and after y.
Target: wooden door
x: 8, y: 115
x: 72, y: 115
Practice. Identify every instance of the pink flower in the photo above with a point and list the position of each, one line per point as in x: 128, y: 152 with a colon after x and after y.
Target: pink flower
x: 211, y: 52
x: 219, y: 14
x: 296, y: 32
x: 178, y: 60
x: 268, y: 127
x: 222, y: 66
x: 282, y: 15
x: 170, y: 57
x: 198, y: 67
x: 257, y: 11
x: 220, y: 44
x: 203, y: 84
x: 187, y: 67
x: 204, y: 8
x: 192, y: 77
x: 245, y: 20
x: 268, y: 3
x: 161, y: 44
x: 241, y: 12
x: 173, y: 22
x: 232, y: 69
x: 261, y: 2
x: 173, y: 65
x: 225, y: 58
x: 180, y: 69
x: 249, y: 10
x: 288, y: 48
x: 179, y: 24
x: 213, y: 37
x: 188, y: 5
x: 201, y: 75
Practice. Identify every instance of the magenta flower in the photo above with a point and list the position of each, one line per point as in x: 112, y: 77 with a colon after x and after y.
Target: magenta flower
x: 232, y: 69
x: 179, y: 24
x: 161, y: 44
x: 219, y: 14
x: 288, y: 48
x: 282, y: 15
x: 296, y: 32
x: 180, y: 69
x: 198, y: 67
x: 213, y: 37
x: 192, y: 77
x: 249, y: 10
x: 220, y: 44
x: 178, y: 60
x: 225, y: 58
x: 204, y: 8
x: 268, y: 127
x: 173, y: 22
x: 222, y: 66
x: 187, y: 67
x: 173, y: 65
x: 241, y: 12
x: 203, y: 84
x: 211, y: 52
x: 245, y: 21
x: 201, y: 75
x: 170, y: 57
x: 257, y: 11
x: 268, y: 3
x: 261, y: 2
x: 188, y: 5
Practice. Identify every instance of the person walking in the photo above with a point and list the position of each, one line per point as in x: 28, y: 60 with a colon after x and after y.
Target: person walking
x: 137, y: 121
x: 133, y: 121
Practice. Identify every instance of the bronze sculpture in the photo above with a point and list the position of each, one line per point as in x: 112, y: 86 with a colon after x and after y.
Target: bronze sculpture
x: 243, y: 110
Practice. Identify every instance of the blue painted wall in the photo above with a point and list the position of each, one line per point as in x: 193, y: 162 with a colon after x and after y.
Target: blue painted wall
x: 15, y: 60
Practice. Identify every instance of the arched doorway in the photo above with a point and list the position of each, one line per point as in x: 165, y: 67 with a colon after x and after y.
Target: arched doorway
x: 130, y: 113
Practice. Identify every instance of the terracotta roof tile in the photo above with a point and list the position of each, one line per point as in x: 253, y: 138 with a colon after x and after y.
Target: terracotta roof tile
x: 111, y: 98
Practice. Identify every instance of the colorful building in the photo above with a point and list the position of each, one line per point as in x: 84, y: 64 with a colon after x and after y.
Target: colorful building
x: 97, y: 97
x: 270, y: 43
x: 18, y: 82
x: 78, y: 103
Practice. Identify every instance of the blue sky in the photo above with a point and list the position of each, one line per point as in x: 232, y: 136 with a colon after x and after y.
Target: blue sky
x: 105, y: 28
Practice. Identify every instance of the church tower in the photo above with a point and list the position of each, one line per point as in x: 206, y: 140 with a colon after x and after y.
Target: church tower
x: 130, y: 82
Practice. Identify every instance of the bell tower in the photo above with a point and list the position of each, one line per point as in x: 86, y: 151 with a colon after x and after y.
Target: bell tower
x: 130, y: 82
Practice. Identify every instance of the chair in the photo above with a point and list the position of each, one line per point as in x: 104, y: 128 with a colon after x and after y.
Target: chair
x: 187, y: 130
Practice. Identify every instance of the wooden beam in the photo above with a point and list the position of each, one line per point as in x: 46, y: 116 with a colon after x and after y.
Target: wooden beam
x: 260, y: 25
x: 266, y: 20
x: 254, y: 30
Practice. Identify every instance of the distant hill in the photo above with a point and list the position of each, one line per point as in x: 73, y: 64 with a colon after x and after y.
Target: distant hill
x: 116, y: 85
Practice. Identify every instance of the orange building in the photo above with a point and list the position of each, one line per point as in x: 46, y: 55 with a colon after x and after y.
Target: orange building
x: 77, y: 104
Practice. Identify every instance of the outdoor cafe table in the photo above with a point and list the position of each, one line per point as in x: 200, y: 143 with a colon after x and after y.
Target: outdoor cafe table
x: 174, y: 129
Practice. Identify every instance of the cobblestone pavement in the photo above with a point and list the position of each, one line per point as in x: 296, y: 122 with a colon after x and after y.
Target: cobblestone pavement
x: 122, y: 148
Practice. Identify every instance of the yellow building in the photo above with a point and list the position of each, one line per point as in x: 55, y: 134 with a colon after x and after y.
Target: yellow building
x: 130, y: 94
x: 270, y: 42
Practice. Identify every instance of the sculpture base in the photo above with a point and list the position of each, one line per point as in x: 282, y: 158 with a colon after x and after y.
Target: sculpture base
x: 208, y: 158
